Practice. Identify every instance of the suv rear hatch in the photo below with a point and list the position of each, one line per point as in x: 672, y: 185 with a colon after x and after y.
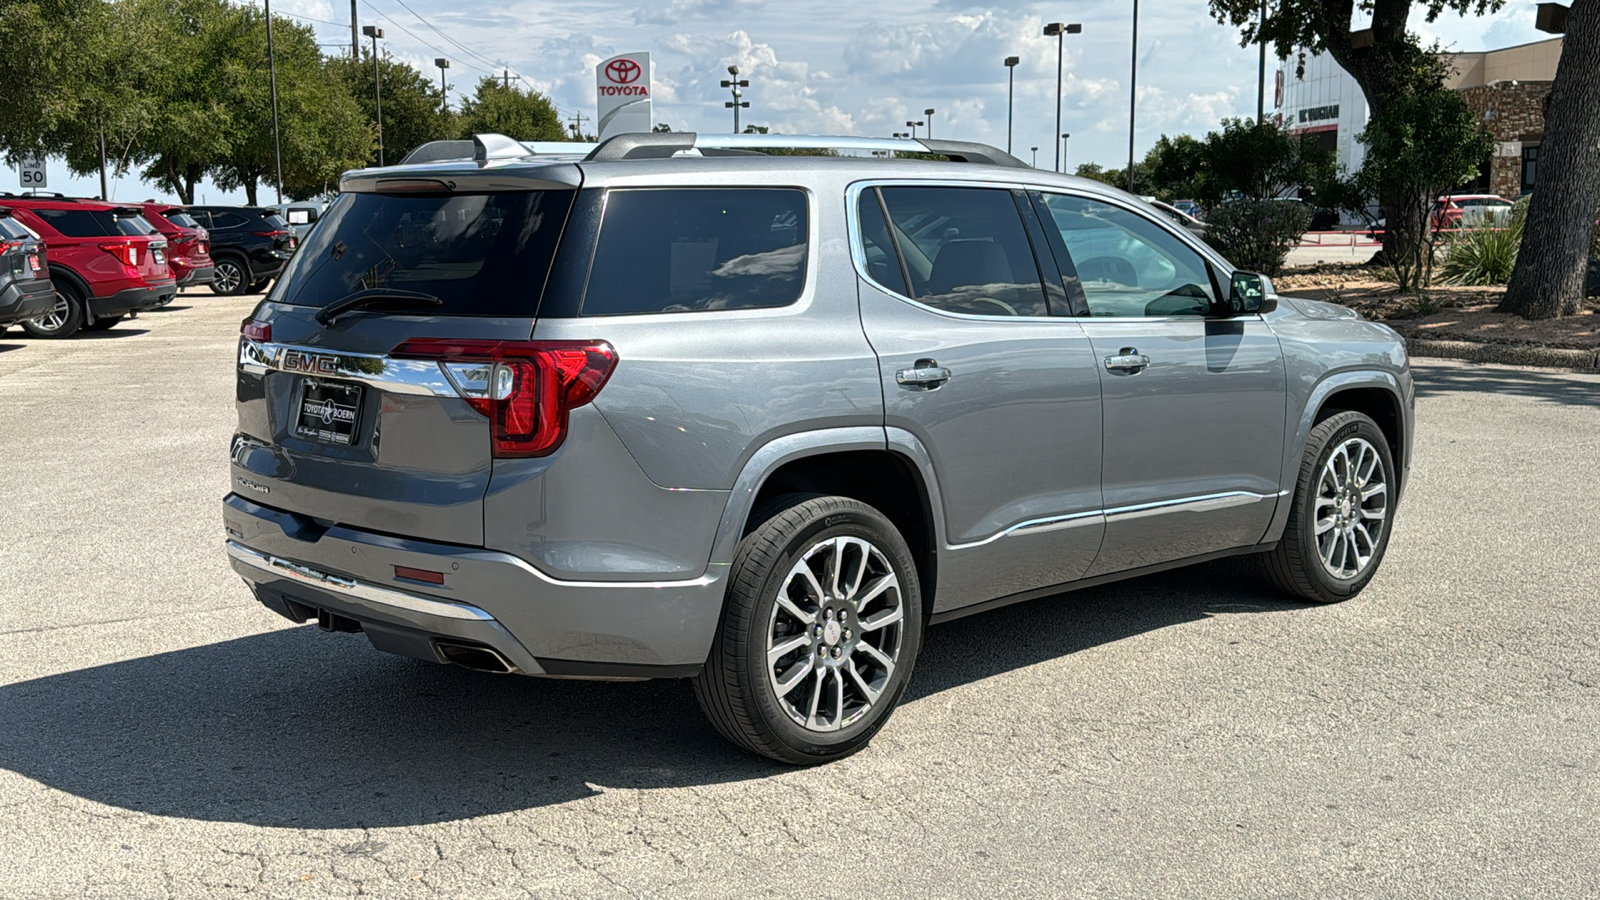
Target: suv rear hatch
x: 368, y: 378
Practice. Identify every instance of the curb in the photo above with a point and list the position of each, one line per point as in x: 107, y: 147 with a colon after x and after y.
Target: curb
x: 1505, y: 354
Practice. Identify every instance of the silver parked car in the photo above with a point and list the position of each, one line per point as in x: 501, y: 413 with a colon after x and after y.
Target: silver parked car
x: 681, y: 409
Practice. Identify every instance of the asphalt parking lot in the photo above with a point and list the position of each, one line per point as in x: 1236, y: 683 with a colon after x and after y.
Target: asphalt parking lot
x: 1183, y: 735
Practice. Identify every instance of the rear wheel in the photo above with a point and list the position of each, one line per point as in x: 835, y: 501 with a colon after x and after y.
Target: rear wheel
x: 1339, y: 521
x: 822, y: 624
x: 103, y: 323
x: 63, y: 319
x: 229, y: 277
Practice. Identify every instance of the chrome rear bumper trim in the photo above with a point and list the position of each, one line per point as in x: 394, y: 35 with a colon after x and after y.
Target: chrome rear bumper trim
x: 371, y: 593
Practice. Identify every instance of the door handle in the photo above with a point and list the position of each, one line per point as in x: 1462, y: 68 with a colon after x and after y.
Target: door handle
x: 925, y: 374
x: 1128, y: 359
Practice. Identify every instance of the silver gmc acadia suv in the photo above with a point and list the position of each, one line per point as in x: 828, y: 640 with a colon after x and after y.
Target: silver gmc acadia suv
x: 680, y: 408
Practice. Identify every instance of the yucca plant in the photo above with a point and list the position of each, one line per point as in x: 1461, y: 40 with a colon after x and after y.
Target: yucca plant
x: 1478, y: 256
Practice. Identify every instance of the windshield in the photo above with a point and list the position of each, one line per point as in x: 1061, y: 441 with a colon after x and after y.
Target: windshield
x: 480, y: 254
x: 132, y: 223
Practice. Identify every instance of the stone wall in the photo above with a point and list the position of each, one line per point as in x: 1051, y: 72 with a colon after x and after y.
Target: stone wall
x: 1513, y: 111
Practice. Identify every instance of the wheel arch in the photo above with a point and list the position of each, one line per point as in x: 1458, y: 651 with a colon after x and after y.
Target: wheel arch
x: 850, y: 462
x: 61, y: 273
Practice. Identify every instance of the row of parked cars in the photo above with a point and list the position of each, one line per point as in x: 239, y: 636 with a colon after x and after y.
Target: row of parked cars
x: 69, y: 264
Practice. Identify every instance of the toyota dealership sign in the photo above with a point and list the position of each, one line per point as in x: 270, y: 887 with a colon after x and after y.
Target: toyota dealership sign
x: 622, y: 84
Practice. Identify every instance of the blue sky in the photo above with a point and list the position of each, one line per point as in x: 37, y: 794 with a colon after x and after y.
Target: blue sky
x: 852, y: 68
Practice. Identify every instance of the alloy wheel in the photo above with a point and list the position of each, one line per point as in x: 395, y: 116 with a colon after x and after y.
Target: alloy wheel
x: 226, y: 277
x: 834, y: 636
x: 56, y: 318
x: 1352, y: 508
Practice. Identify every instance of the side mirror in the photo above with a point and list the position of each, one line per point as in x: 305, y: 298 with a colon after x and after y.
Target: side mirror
x: 1250, y: 293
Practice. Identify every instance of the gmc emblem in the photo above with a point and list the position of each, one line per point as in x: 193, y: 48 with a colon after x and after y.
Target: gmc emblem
x: 313, y: 363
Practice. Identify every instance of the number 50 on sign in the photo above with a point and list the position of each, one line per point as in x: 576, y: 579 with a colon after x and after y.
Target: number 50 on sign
x: 31, y: 172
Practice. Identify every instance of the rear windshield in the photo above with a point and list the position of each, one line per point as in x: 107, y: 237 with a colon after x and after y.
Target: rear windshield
x: 95, y: 222
x: 12, y: 230
x: 180, y: 219
x: 690, y: 249
x: 276, y: 221
x: 480, y: 254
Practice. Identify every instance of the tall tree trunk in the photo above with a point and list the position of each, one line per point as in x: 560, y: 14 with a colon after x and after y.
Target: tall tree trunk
x: 250, y: 190
x: 1549, y: 278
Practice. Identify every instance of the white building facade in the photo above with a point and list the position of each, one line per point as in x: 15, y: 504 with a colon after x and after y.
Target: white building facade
x: 1327, y: 102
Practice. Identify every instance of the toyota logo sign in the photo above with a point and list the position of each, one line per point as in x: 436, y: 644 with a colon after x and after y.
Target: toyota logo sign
x: 623, y: 71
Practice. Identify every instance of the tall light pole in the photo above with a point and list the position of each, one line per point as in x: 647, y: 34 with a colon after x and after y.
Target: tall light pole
x: 1133, y: 91
x: 914, y: 129
x: 1059, y: 30
x: 929, y: 113
x: 355, y: 41
x: 444, y: 89
x: 736, y: 104
x: 1011, y: 94
x: 1036, y: 157
x: 374, y: 32
x: 1261, y: 74
x: 272, y: 86
x: 1064, y: 136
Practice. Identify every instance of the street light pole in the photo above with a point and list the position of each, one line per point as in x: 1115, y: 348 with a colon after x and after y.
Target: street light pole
x: 736, y: 104
x: 444, y: 89
x: 272, y: 86
x: 1261, y: 74
x: 1133, y: 91
x: 914, y: 129
x: 929, y: 113
x: 1059, y: 30
x: 374, y: 32
x: 1011, y: 94
x: 1064, y: 136
x: 1036, y: 157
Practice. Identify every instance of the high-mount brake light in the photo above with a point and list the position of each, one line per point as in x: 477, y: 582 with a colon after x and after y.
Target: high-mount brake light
x: 524, y: 388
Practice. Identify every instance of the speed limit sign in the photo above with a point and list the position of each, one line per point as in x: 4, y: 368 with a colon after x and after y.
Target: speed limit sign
x: 31, y: 171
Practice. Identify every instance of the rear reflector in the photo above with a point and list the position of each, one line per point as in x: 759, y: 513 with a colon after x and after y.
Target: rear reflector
x: 419, y: 575
x: 524, y: 388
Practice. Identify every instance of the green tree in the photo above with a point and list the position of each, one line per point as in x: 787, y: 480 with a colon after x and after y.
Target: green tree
x: 522, y: 115
x: 1426, y: 142
x: 195, y: 124
x: 1557, y: 237
x: 1176, y: 165
x: 413, y: 109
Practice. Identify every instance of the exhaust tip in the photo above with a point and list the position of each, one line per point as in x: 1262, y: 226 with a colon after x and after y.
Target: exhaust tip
x: 475, y: 657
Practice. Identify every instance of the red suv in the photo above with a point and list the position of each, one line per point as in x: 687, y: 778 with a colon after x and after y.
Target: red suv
x: 188, y: 244
x: 106, y: 261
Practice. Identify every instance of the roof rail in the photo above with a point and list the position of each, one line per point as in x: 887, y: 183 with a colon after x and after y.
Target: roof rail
x: 482, y: 147
x: 662, y: 145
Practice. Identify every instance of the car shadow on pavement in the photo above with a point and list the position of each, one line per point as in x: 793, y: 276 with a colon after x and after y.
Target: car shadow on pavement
x: 295, y: 728
x: 5, y: 346
x: 1553, y: 386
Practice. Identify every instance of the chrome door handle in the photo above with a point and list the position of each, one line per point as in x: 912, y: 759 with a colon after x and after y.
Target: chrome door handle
x: 924, y: 373
x: 1128, y: 359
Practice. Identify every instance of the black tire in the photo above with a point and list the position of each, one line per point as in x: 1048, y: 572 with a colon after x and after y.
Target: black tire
x: 230, y: 277
x: 103, y: 323
x: 735, y: 689
x: 64, y: 319
x: 258, y: 287
x: 1296, y: 565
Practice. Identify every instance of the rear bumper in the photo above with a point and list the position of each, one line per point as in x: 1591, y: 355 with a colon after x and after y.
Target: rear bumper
x: 541, y: 625
x: 133, y: 300
x: 20, y: 301
x: 196, y: 275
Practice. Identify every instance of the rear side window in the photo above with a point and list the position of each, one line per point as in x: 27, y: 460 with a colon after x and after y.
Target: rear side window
x: 79, y: 222
x: 693, y: 249
x: 226, y: 220
x: 480, y: 254
x: 966, y: 250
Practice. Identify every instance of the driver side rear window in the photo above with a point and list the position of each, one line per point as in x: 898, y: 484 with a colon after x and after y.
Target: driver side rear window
x: 965, y: 250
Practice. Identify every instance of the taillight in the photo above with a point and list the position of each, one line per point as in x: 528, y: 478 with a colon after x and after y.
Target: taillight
x: 5, y: 246
x: 124, y: 251
x: 524, y: 388
x: 260, y: 332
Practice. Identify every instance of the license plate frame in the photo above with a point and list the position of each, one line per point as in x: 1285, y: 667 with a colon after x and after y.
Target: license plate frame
x: 328, y: 412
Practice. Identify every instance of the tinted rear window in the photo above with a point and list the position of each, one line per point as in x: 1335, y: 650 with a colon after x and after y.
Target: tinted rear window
x: 12, y: 230
x: 180, y: 219
x: 276, y: 221
x: 683, y: 250
x: 481, y: 254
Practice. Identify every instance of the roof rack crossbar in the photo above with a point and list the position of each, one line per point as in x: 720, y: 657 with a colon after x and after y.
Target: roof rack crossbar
x: 643, y: 145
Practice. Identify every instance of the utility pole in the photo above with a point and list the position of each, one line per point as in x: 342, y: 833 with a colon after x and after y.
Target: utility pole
x: 1133, y: 91
x: 444, y: 89
x: 102, y: 162
x: 508, y: 79
x: 1060, y: 30
x: 272, y: 86
x: 1011, y: 94
x: 736, y: 103
x: 577, y: 125
x: 374, y: 32
x: 355, y: 39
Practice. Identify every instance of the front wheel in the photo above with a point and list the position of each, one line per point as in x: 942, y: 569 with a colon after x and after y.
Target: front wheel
x: 822, y: 624
x: 1341, y: 514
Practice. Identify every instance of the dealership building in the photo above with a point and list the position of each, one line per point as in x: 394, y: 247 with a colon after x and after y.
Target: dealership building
x: 1505, y: 88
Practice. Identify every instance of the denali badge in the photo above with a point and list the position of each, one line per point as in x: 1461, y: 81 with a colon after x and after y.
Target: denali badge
x: 259, y: 488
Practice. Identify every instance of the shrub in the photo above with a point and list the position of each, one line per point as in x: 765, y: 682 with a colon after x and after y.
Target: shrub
x: 1481, y: 255
x: 1257, y: 234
